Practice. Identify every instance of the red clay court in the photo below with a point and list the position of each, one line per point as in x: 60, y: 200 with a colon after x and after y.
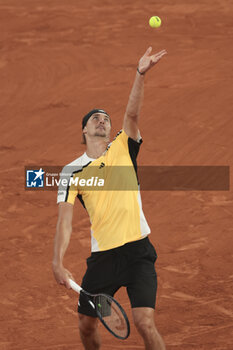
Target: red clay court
x: 58, y: 60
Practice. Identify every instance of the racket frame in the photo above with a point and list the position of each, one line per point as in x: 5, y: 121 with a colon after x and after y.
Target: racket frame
x: 80, y: 290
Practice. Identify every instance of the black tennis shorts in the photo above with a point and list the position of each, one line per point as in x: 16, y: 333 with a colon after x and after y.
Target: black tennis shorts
x: 130, y: 266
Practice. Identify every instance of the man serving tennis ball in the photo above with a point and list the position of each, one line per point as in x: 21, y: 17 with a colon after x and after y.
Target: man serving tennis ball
x: 122, y: 254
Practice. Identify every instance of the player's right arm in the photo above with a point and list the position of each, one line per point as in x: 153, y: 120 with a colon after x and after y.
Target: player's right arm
x: 61, y: 242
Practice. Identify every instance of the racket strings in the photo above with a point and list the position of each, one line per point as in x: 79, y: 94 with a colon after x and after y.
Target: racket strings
x: 112, y: 315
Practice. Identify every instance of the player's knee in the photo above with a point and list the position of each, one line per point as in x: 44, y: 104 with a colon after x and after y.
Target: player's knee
x: 145, y: 327
x: 87, y: 325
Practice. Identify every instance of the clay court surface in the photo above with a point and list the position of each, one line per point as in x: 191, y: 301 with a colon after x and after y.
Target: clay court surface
x: 57, y: 61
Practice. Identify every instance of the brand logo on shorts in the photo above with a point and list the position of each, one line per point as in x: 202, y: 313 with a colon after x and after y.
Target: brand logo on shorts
x: 35, y: 178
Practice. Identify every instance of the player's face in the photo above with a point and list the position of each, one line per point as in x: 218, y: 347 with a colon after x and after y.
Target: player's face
x: 98, y: 125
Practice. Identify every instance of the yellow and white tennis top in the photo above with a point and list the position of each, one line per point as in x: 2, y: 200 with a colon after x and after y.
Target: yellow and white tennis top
x: 115, y: 210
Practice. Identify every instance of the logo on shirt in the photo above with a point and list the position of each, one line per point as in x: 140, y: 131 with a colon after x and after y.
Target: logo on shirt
x: 35, y: 178
x: 101, y: 165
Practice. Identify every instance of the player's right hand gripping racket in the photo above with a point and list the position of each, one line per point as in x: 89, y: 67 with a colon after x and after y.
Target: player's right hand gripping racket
x: 108, y: 310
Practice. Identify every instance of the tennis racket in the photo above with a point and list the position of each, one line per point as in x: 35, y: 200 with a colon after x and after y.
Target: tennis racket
x: 108, y: 310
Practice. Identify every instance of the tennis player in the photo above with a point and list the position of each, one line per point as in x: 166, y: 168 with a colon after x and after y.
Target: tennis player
x: 122, y: 254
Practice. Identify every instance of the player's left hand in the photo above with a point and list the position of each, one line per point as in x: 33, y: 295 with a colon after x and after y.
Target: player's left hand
x: 147, y: 61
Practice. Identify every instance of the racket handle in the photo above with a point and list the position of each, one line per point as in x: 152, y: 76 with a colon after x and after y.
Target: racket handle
x: 75, y: 286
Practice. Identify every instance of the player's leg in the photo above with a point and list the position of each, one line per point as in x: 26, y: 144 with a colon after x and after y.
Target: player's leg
x: 144, y: 321
x: 88, y: 328
x: 141, y: 289
x: 99, y: 278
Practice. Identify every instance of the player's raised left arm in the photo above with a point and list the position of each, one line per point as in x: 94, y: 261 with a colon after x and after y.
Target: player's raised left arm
x: 131, y: 118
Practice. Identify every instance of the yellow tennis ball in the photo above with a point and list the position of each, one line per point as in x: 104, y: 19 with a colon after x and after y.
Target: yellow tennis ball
x: 155, y: 22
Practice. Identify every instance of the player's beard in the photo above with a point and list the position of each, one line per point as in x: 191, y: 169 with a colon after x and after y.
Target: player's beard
x: 100, y: 132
